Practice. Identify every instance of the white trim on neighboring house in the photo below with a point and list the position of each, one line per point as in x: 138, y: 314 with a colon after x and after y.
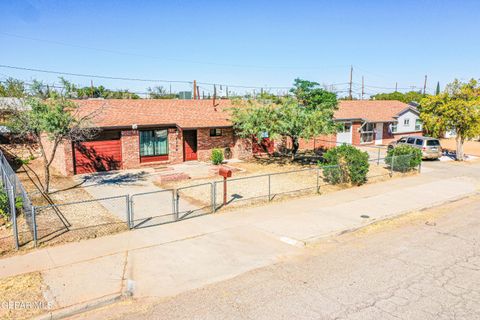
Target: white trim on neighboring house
x: 407, y: 121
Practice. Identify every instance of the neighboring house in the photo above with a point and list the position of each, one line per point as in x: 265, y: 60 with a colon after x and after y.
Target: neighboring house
x: 370, y: 122
x: 138, y: 133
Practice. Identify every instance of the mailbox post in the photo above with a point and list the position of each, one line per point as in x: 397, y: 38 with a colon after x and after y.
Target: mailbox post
x: 225, y: 173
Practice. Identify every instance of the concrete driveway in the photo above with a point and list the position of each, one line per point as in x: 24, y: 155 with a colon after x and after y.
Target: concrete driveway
x: 151, y: 205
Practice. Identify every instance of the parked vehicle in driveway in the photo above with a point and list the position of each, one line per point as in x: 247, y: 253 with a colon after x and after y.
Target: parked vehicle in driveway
x: 431, y: 148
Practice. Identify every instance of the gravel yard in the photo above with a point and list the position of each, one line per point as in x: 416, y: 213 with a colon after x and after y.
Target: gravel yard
x: 251, y: 185
x: 66, y: 223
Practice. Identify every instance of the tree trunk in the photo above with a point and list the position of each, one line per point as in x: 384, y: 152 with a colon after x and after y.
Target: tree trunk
x: 460, y: 140
x: 295, y: 146
x: 46, y: 187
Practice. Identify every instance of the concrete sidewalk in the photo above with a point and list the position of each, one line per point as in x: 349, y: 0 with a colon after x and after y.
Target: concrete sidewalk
x: 168, y: 259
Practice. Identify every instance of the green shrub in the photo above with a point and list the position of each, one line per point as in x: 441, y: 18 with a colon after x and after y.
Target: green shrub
x: 345, y: 164
x: 217, y: 156
x: 404, y: 158
x: 4, y: 208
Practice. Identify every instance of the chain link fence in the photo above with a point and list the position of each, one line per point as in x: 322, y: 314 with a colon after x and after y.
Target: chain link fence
x: 73, y: 221
x: 16, y: 209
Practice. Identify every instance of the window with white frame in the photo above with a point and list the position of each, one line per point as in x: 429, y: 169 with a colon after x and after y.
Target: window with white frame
x: 394, y: 127
x: 406, y: 122
x: 418, y: 125
x: 367, y: 132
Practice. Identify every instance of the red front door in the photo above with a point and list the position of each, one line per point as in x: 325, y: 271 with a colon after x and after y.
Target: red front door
x: 189, y: 145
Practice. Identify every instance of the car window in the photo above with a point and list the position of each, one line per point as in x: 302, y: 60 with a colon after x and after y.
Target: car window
x: 411, y: 140
x: 403, y: 140
x: 433, y: 143
x: 419, y: 142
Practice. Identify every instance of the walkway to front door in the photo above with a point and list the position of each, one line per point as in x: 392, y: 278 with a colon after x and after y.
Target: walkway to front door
x: 189, y: 145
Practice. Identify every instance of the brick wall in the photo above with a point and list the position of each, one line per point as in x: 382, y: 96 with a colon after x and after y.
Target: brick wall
x: 356, y: 133
x: 175, y: 145
x: 205, y: 143
x: 130, y: 149
x: 63, y: 155
x: 389, y: 137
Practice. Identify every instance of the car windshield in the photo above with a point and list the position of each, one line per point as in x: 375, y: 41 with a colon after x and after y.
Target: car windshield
x: 433, y: 143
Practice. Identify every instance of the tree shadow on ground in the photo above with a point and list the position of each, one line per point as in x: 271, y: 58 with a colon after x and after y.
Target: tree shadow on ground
x: 115, y: 178
x: 301, y: 158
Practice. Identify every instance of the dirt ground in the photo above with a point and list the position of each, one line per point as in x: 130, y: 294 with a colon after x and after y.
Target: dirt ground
x: 21, y: 296
x: 288, y: 180
x: 470, y: 147
x: 64, y: 223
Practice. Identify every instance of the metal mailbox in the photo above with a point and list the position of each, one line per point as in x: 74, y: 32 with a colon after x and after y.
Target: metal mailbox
x: 224, y: 172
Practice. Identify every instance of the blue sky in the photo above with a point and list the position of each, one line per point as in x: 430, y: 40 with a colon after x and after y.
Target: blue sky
x: 253, y: 43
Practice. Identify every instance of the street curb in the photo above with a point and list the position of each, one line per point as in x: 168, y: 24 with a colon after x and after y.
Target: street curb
x: 315, y: 239
x: 81, y: 307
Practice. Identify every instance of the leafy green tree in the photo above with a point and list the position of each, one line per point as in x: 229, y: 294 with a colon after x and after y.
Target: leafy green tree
x: 160, y: 92
x: 12, y: 88
x: 457, y: 108
x: 71, y: 91
x: 56, y: 119
x: 410, y: 96
x: 312, y: 96
x: 296, y: 118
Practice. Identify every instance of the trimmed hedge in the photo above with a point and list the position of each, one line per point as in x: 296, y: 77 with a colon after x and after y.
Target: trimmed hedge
x: 217, y: 156
x: 345, y: 164
x: 404, y: 158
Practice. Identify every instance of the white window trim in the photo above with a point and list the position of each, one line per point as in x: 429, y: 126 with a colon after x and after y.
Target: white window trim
x: 367, y: 132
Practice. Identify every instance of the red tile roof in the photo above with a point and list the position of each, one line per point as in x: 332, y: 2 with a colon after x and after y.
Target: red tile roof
x: 202, y: 113
x: 370, y: 110
x: 145, y: 112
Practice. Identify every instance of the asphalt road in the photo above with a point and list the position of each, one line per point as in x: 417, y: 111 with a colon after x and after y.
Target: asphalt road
x: 423, y: 265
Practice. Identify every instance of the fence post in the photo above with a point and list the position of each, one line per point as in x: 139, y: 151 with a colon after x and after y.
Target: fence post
x: 13, y: 213
x: 420, y: 166
x: 129, y: 203
x: 214, y: 196
x: 269, y: 188
x: 391, y: 165
x: 34, y: 225
x: 378, y: 156
x: 318, y: 179
x: 177, y: 204
x: 174, y: 206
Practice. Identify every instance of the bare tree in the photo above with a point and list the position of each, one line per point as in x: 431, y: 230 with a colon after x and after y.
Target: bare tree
x: 52, y: 121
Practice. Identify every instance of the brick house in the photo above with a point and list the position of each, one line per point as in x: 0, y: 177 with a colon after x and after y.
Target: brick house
x: 138, y: 133
x: 370, y: 122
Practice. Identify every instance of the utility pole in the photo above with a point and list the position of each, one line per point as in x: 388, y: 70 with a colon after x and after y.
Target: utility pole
x: 396, y: 86
x: 194, y: 89
x: 170, y: 89
x: 350, y: 88
x: 214, y: 94
x: 91, y: 88
x: 198, y: 92
x: 363, y: 87
x: 425, y: 85
x: 227, y: 92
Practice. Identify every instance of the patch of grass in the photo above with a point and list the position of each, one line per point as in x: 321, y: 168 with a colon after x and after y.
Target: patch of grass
x: 25, y: 288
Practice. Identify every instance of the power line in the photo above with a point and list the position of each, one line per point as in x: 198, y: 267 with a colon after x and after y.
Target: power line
x: 159, y: 58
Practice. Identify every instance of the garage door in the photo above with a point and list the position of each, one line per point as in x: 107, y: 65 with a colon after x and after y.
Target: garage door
x: 99, y: 155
